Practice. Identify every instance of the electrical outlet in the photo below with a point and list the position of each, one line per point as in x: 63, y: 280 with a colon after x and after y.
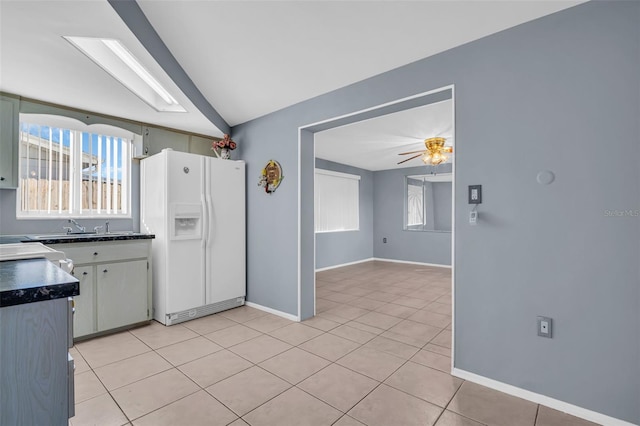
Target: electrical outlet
x: 544, y: 326
x: 473, y: 217
x: 384, y: 240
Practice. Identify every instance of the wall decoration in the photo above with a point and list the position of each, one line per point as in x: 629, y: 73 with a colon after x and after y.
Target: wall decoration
x: 271, y: 177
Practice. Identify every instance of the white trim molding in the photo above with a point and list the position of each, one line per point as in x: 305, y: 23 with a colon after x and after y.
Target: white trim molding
x: 273, y: 311
x: 326, y: 268
x: 437, y: 265
x: 556, y: 404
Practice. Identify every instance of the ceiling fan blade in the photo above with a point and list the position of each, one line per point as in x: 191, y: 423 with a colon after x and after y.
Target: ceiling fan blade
x: 410, y: 152
x: 415, y: 156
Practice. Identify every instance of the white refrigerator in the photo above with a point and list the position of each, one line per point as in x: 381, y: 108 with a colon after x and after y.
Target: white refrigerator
x: 195, y: 206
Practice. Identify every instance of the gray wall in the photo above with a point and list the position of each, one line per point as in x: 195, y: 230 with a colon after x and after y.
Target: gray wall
x: 337, y: 248
x: 549, y: 94
x: 443, y: 198
x: 388, y: 222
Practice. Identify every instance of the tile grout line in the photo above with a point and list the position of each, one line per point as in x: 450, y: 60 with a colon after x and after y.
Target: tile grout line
x: 262, y: 333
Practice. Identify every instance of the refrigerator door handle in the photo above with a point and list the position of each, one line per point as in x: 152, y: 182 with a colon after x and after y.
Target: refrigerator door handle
x: 203, y: 242
x: 209, y: 235
x: 205, y: 221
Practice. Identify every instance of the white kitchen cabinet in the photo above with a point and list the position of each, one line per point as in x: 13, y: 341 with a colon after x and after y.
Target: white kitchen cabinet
x: 9, y: 110
x: 115, y: 284
x: 121, y: 293
x: 84, y: 321
x: 155, y: 140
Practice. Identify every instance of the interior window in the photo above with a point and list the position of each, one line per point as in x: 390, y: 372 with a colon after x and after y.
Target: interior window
x: 427, y: 202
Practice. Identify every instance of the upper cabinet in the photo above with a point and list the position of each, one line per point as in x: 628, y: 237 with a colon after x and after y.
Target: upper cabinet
x: 156, y: 139
x: 200, y: 145
x: 9, y: 109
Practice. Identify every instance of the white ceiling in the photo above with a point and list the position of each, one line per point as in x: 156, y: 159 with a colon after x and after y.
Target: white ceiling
x: 36, y: 62
x: 248, y: 58
x: 375, y: 144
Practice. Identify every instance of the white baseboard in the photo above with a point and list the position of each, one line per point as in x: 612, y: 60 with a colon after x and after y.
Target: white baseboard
x: 273, y: 311
x: 344, y: 264
x: 556, y: 404
x: 437, y: 265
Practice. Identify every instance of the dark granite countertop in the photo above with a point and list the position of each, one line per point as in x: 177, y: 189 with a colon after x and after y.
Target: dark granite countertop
x: 34, y: 280
x: 73, y: 238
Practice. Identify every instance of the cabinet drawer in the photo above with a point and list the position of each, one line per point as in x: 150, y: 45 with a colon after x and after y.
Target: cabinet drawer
x: 83, y: 253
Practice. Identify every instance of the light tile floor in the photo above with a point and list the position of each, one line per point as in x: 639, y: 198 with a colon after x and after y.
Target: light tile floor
x: 377, y: 353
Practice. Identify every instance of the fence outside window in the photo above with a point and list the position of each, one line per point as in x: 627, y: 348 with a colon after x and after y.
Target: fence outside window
x: 68, y: 169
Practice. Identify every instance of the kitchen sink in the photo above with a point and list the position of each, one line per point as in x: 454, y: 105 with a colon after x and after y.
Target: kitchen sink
x: 71, y: 235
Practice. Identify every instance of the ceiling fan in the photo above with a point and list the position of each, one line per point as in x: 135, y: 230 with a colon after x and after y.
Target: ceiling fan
x: 434, y: 154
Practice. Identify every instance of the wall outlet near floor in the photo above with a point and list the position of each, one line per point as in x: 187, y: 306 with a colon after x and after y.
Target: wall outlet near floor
x: 544, y: 326
x: 384, y: 240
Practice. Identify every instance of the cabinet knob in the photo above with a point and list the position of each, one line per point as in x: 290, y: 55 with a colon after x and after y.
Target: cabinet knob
x: 1, y: 177
x: 95, y: 253
x: 85, y: 273
x: 105, y: 271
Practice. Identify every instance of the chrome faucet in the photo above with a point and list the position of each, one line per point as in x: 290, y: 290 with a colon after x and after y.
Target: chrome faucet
x: 80, y: 228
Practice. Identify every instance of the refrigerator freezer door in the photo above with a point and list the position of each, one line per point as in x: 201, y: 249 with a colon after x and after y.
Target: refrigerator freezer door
x: 184, y: 270
x: 226, y: 268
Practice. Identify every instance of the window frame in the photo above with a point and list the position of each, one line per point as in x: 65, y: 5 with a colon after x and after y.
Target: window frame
x: 348, y: 177
x: 77, y: 127
x: 440, y: 177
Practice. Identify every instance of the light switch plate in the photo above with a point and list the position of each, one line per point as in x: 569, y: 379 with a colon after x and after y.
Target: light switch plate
x: 544, y: 326
x: 475, y: 194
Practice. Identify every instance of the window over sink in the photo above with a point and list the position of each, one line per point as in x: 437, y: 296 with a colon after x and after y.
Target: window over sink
x: 70, y: 169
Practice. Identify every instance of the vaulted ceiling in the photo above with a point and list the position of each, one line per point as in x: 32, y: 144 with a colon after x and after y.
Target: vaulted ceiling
x: 244, y: 58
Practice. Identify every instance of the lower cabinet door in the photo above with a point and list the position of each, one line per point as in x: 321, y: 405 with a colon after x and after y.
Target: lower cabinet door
x: 122, y: 294
x: 85, y: 316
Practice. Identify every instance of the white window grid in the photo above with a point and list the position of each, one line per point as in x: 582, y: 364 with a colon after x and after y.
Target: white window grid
x: 59, y: 165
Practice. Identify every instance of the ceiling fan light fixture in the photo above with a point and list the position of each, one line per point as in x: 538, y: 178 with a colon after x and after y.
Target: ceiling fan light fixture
x: 434, y: 153
x: 434, y: 159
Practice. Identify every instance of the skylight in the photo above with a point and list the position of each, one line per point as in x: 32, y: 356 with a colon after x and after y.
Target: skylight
x: 114, y: 58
